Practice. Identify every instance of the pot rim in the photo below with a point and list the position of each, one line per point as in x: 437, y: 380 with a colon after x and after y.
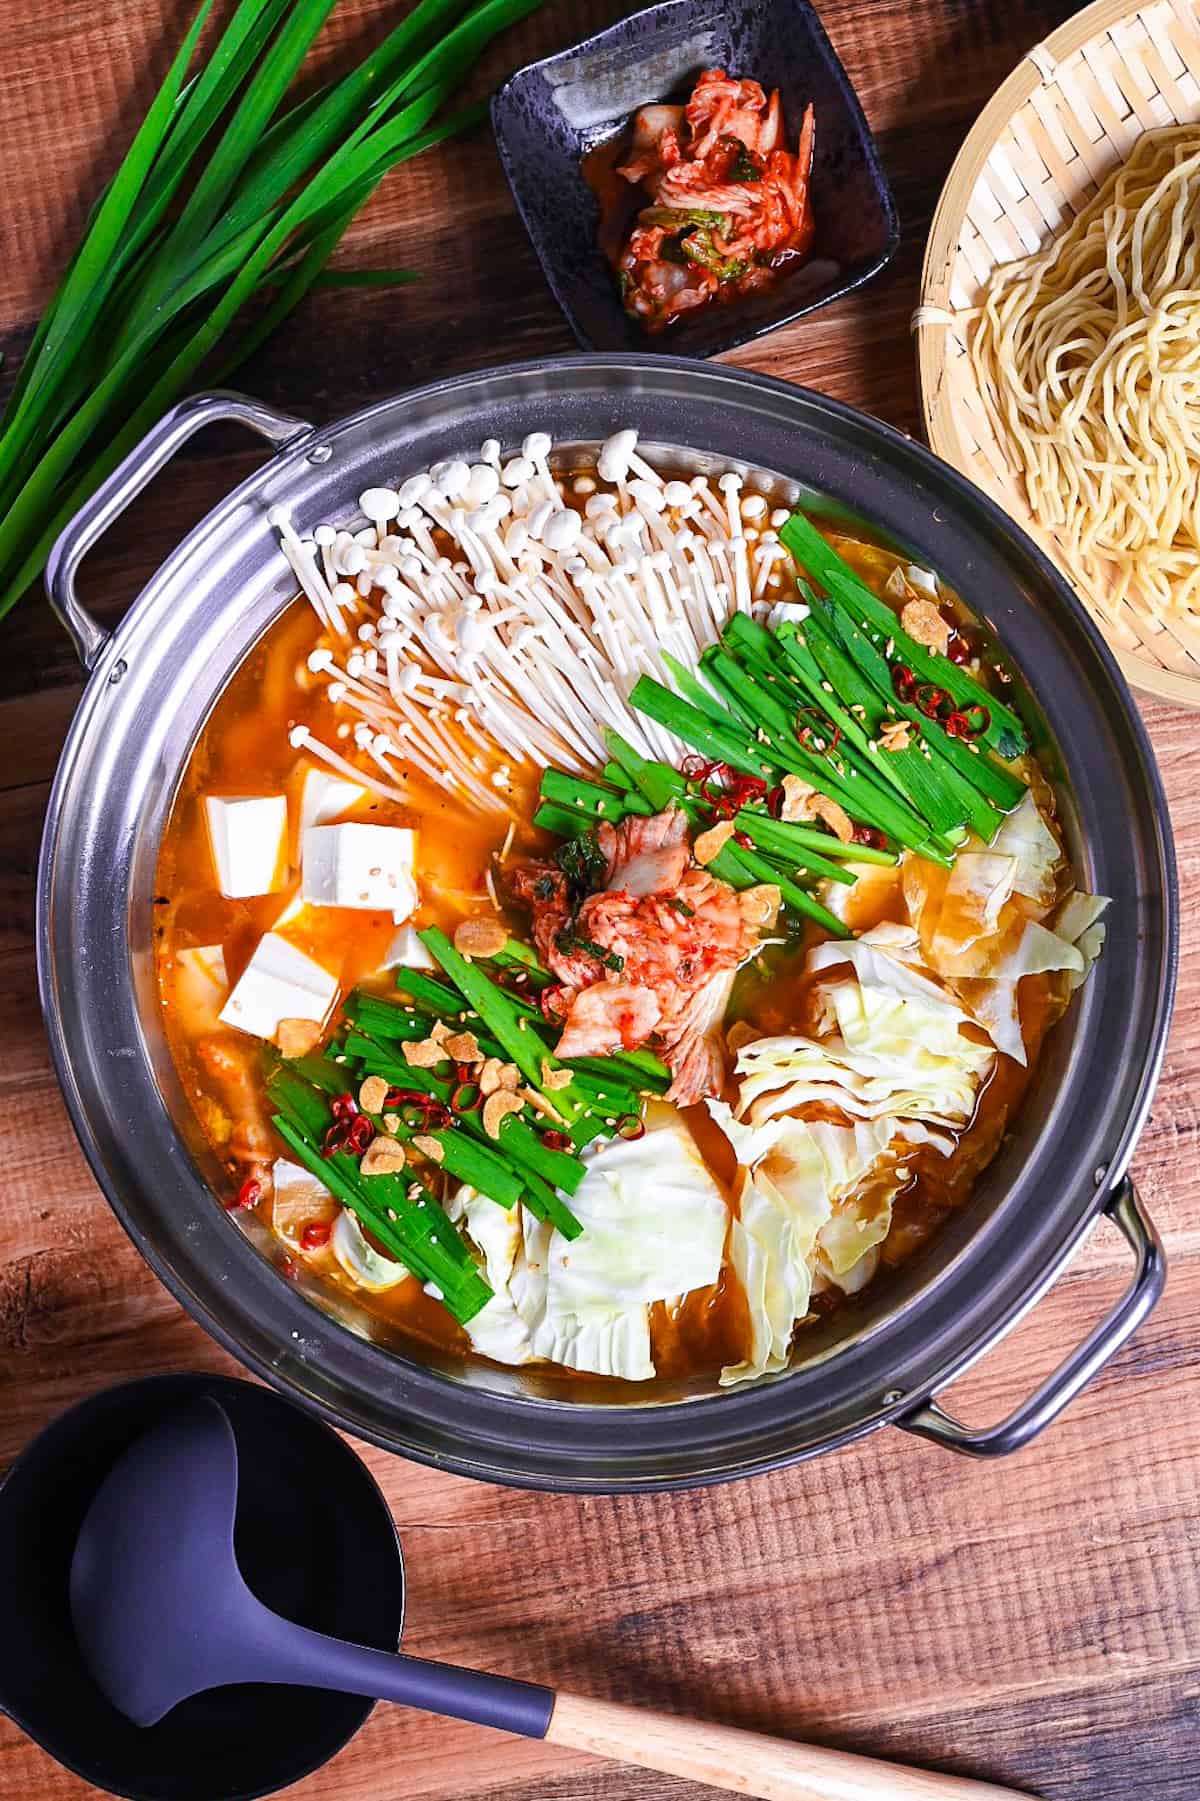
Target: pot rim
x: 736, y: 1459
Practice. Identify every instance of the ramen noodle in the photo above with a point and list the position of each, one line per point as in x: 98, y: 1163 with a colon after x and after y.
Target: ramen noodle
x: 1088, y: 357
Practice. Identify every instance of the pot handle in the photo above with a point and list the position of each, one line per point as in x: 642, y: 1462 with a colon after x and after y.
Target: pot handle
x: 127, y: 481
x: 929, y: 1420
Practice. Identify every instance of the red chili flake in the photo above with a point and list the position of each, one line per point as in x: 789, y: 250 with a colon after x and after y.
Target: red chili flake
x: 775, y: 800
x: 467, y: 1097
x: 315, y: 1234
x: 248, y: 1195
x: 555, y: 1140
x: 744, y: 839
x: 550, y: 1002
x: 904, y: 683
x: 630, y: 1128
x: 343, y: 1106
x: 869, y: 835
x: 288, y: 1267
x: 958, y: 650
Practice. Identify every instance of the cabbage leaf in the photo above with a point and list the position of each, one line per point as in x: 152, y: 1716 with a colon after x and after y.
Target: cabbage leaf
x: 497, y: 1330
x: 654, y: 1224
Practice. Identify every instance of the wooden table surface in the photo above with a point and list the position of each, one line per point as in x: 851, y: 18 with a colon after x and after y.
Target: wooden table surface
x: 1035, y: 1621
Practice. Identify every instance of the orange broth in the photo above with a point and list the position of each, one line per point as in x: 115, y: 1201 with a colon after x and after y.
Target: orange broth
x: 244, y: 750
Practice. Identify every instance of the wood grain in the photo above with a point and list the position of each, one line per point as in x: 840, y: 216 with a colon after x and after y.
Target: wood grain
x: 1031, y: 1623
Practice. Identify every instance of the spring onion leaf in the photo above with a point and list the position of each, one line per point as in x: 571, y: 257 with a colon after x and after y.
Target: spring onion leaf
x: 229, y: 191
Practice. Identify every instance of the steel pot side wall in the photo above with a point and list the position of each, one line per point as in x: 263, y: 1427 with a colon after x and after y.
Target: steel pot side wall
x: 153, y: 687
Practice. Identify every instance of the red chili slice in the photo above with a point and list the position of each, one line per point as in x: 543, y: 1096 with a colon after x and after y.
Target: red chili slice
x: 550, y: 1002
x: 315, y: 1234
x: 467, y: 1097
x: 350, y: 1132
x: 775, y: 799
x: 904, y: 683
x: 248, y: 1195
x: 978, y: 719
x: 830, y: 735
x: 630, y: 1128
x: 698, y: 769
x: 404, y: 1097
x: 932, y: 700
x: 334, y: 1140
x: 359, y: 1135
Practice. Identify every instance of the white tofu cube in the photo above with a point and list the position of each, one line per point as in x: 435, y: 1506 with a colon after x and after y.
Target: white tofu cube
x: 365, y: 866
x: 324, y: 797
x: 279, y: 982
x: 407, y: 952
x: 201, y: 985
x: 249, y: 843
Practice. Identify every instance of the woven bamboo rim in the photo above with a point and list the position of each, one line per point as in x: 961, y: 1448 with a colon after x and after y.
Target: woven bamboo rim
x: 1070, y: 110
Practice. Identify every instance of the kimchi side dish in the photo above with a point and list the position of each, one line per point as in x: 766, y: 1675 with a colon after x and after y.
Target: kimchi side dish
x: 711, y: 203
x: 609, y: 919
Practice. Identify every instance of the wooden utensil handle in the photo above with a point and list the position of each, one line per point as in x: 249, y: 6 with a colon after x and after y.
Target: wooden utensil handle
x: 749, y: 1763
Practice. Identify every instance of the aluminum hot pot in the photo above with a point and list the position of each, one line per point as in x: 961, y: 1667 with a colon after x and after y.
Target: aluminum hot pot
x: 154, y: 681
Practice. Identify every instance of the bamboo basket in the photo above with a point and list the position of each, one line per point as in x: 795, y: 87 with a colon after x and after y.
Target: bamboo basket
x: 1070, y: 110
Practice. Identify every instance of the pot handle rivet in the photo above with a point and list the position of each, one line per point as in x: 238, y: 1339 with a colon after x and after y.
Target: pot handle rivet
x: 126, y: 483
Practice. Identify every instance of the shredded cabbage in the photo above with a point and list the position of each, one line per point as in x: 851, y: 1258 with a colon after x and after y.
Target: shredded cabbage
x: 895, y: 1067
x: 898, y: 1051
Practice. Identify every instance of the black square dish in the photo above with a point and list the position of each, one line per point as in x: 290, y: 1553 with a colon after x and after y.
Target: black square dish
x: 549, y: 115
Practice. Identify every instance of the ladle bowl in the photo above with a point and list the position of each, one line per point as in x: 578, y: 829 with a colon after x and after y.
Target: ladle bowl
x: 313, y: 1536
